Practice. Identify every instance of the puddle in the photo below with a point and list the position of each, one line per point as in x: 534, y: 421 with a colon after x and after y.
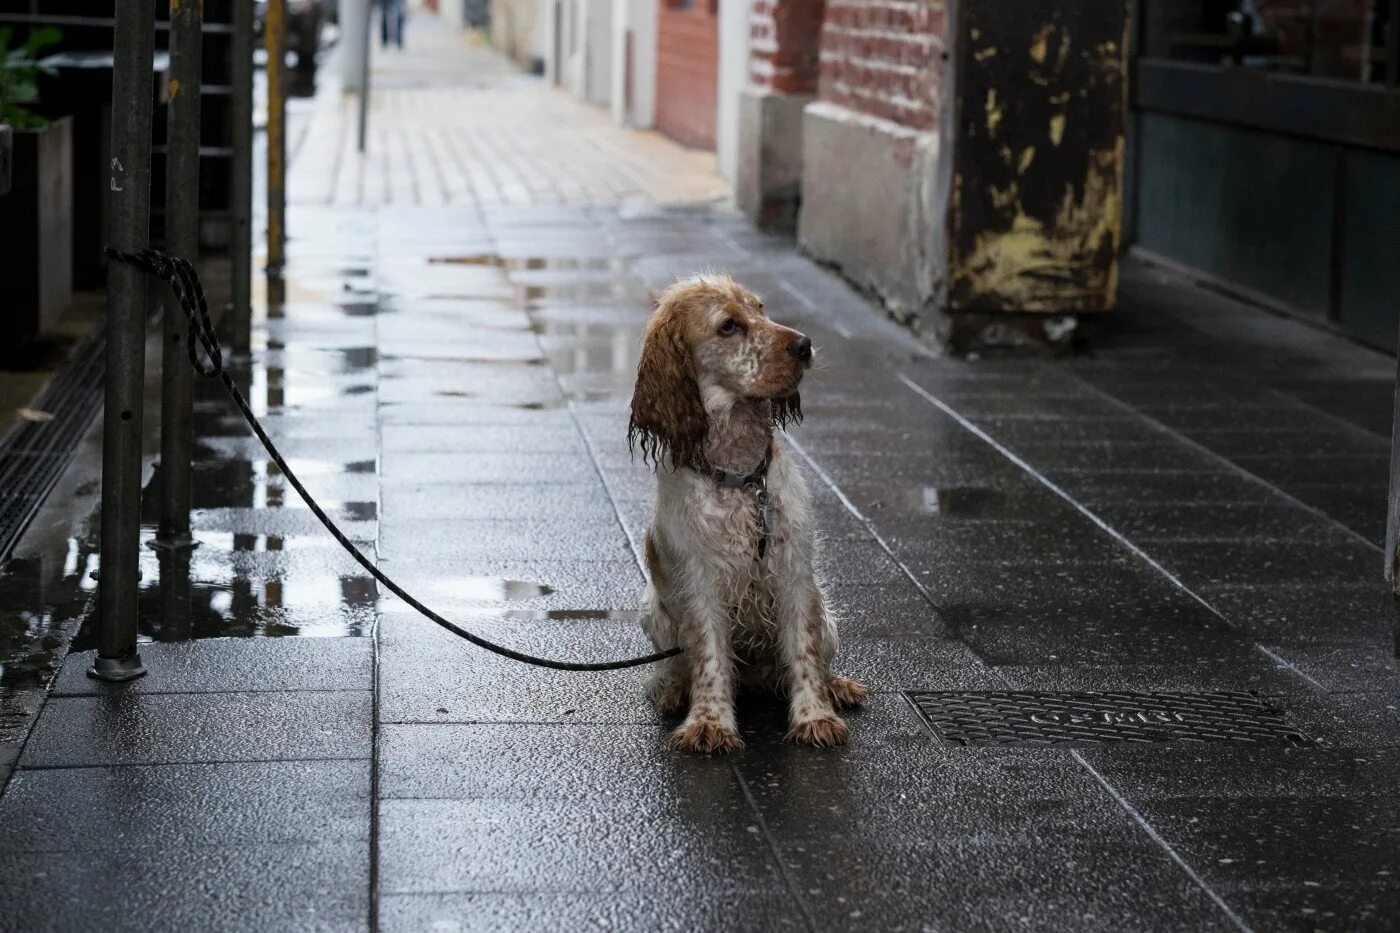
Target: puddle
x: 956, y: 501
x: 478, y: 589
x: 569, y: 615
x: 285, y: 576
x: 514, y: 264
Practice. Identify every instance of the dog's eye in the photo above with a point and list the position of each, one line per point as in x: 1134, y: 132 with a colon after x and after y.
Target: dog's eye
x: 729, y: 326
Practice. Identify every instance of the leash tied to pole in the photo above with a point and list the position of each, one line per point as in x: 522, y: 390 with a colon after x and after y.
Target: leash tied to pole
x: 183, y: 280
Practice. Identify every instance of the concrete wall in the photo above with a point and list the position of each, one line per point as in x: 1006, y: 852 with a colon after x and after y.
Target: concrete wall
x: 784, y: 58
x: 597, y: 63
x: 555, y: 24
x: 516, y: 30
x: 637, y: 17
x: 872, y: 185
x: 868, y: 206
x: 734, y: 29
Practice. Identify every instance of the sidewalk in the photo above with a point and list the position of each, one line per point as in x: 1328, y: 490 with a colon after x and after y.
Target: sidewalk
x: 451, y: 122
x: 1196, y: 507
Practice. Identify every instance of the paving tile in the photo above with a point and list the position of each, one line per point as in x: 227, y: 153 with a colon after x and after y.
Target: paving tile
x: 1204, y: 563
x: 457, y: 468
x: 1351, y: 906
x: 119, y: 809
x: 598, y: 845
x: 1258, y: 673
x: 1280, y: 612
x: 1120, y: 882
x: 1367, y: 720
x: 219, y: 665
x: 494, y: 438
x: 679, y: 908
x: 1256, y: 840
x: 503, y: 761
x: 473, y: 542
x: 428, y: 675
x: 185, y: 728
x: 1130, y: 486
x: 1142, y: 522
x: 1227, y: 769
x: 318, y: 886
x: 479, y: 501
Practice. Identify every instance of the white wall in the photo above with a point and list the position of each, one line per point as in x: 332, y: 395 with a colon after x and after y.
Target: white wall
x: 733, y: 78
x: 551, y: 18
x: 638, y: 17
x: 599, y: 60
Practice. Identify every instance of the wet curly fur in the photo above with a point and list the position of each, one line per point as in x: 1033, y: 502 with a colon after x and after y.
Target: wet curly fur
x: 715, y: 383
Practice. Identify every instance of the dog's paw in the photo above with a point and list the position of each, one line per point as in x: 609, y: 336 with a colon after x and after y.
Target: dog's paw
x: 846, y: 693
x: 705, y: 735
x: 670, y: 697
x: 823, y: 733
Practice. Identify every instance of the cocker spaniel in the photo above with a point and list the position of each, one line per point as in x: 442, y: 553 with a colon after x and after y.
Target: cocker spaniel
x: 730, y: 549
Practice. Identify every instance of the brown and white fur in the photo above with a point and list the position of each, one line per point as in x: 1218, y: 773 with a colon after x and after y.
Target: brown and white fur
x: 716, y: 377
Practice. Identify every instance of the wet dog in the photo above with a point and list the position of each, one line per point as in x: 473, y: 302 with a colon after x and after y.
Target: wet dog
x: 730, y: 549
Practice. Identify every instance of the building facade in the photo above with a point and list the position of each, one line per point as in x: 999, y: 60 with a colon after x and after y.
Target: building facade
x: 981, y: 168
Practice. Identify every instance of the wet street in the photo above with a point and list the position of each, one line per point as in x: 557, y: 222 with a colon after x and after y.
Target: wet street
x: 1196, y: 508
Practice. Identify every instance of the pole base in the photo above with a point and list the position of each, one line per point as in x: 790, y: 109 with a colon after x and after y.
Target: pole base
x: 117, y: 670
x: 180, y: 542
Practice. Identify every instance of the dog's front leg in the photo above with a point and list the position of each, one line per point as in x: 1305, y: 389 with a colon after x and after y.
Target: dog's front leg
x: 804, y: 643
x: 709, y: 725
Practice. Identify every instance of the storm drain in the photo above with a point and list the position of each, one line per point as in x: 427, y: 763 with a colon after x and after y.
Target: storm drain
x: 35, y: 454
x: 1043, y: 719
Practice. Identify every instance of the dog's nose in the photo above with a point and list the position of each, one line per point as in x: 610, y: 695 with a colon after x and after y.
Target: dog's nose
x: 801, y: 348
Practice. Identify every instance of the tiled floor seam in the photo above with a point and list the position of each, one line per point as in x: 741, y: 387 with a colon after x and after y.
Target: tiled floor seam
x: 56, y: 695
x: 1225, y: 461
x: 202, y: 761
x: 775, y: 851
x: 1117, y: 798
x: 1088, y: 513
x: 373, y: 880
x: 1235, y: 919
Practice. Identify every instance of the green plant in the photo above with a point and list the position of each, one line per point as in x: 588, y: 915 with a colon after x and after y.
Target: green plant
x: 19, y: 76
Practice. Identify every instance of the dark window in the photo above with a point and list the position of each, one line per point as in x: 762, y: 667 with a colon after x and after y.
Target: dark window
x: 1345, y: 39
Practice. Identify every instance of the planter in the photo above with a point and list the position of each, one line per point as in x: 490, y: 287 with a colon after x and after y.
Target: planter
x: 7, y: 143
x: 36, y: 266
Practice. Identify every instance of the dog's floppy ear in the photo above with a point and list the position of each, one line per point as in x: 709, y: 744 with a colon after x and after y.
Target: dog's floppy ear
x: 787, y: 410
x: 668, y: 417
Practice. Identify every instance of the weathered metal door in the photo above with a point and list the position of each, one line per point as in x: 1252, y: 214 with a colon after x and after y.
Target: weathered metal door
x: 687, y: 70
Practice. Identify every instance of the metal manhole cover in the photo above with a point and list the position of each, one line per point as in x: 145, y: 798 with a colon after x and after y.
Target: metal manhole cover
x: 1041, y: 719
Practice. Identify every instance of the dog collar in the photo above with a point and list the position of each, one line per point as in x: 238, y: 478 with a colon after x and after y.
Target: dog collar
x: 758, y: 482
x: 727, y: 479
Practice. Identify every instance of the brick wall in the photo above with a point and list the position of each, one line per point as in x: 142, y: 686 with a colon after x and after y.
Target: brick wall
x: 783, y: 45
x: 884, y: 58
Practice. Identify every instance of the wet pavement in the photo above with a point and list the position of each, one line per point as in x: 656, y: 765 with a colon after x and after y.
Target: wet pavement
x: 1196, y: 507
x: 1173, y: 513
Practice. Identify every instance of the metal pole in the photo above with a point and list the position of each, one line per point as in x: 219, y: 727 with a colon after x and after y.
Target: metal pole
x: 181, y: 239
x: 274, y: 35
x: 364, y: 69
x: 130, y: 189
x: 241, y: 235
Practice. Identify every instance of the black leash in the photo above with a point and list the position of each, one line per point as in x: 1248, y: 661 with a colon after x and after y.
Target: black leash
x: 183, y: 280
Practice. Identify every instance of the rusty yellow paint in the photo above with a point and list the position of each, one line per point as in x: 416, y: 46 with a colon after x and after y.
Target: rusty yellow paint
x: 174, y: 7
x: 1058, y: 264
x: 1040, y: 45
x: 1057, y: 128
x: 173, y: 88
x: 994, y: 112
x: 1027, y: 157
x: 983, y: 54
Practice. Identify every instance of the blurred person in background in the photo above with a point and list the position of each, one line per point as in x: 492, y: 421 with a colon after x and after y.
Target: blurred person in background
x: 391, y: 22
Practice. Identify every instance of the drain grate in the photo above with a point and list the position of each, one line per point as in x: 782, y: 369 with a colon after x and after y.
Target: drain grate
x: 35, y: 454
x: 1041, y: 719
